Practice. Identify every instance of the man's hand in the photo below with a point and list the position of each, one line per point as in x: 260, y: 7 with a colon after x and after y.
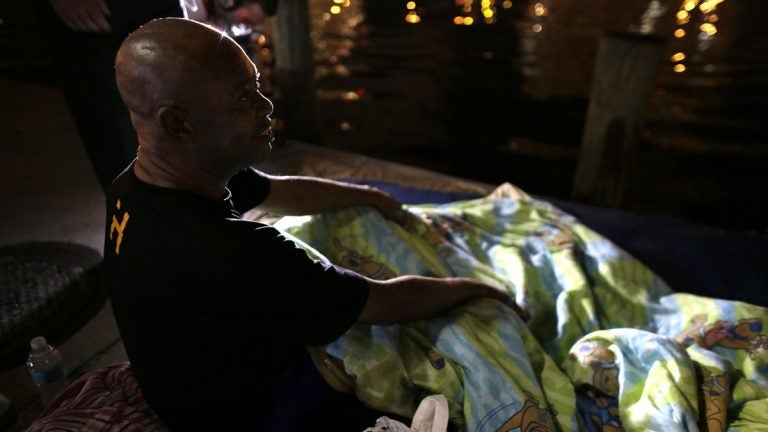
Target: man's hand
x: 83, y: 15
x: 410, y: 298
x: 388, y: 206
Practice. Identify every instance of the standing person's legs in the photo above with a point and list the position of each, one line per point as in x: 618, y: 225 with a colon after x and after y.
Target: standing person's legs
x: 83, y: 63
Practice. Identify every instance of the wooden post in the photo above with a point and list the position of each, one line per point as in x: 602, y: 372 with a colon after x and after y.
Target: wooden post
x: 625, y: 74
x: 295, y: 71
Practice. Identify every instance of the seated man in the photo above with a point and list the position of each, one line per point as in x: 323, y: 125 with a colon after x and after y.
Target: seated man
x: 216, y: 311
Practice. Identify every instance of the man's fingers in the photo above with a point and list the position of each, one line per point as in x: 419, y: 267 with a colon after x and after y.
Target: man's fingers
x: 98, y: 21
x: 66, y: 16
x: 78, y: 23
x: 83, y: 15
x: 103, y: 8
x: 103, y: 13
x: 400, y: 216
x: 521, y: 312
x: 508, y: 300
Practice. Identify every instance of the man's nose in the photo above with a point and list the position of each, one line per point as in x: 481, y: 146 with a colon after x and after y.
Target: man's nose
x: 266, y: 107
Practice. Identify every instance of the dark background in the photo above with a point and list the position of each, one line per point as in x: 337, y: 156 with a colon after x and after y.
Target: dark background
x: 499, y: 102
x: 502, y: 103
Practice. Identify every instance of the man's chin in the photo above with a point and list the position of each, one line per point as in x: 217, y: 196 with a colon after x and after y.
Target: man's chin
x: 266, y: 136
x: 262, y: 147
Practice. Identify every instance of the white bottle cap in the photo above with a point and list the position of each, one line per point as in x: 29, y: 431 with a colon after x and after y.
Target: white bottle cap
x: 38, y: 342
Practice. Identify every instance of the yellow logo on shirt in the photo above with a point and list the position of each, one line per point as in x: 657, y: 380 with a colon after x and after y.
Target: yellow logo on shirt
x: 119, y: 227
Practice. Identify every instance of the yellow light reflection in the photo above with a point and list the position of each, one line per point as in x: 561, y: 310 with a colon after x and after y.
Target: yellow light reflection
x: 338, y: 1
x: 689, y: 5
x: 707, y: 6
x: 335, y: 10
x: 410, y: 5
x: 506, y: 4
x: 412, y: 18
x: 679, y: 68
x: 350, y: 96
x: 539, y: 9
x: 469, y: 21
x: 679, y: 33
x: 676, y: 57
x: 708, y: 28
x: 537, y: 28
x: 485, y: 3
x: 487, y: 13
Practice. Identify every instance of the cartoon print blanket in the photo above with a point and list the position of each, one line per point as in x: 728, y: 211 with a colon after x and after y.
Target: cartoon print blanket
x: 608, y: 346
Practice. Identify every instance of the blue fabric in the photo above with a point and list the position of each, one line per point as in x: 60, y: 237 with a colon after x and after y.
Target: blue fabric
x: 689, y: 257
x: 305, y: 402
x: 412, y: 195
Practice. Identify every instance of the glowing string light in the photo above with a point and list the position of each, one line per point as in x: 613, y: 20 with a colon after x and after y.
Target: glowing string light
x: 679, y: 56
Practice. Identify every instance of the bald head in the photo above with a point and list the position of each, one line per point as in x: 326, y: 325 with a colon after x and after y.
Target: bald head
x: 168, y: 61
x: 195, y: 103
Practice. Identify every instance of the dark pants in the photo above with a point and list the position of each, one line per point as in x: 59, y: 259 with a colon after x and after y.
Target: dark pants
x: 83, y: 64
x: 296, y: 400
x: 305, y: 402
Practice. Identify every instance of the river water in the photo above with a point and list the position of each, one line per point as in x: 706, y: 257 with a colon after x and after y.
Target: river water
x: 498, y: 91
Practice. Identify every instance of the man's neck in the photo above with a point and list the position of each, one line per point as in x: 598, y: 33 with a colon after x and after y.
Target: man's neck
x: 164, y: 173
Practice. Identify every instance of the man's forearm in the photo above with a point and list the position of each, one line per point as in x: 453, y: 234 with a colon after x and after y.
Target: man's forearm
x: 296, y: 195
x: 410, y: 298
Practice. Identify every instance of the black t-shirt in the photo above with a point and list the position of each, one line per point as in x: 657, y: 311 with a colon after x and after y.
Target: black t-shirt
x: 212, y: 308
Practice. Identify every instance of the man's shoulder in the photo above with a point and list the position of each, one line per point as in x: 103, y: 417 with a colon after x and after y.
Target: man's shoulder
x: 123, y: 180
x: 122, y: 190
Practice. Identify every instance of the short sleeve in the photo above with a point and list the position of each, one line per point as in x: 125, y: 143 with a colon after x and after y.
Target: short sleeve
x: 249, y: 188
x: 305, y: 301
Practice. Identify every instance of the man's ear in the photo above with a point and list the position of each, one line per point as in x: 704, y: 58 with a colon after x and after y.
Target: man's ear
x: 174, y: 121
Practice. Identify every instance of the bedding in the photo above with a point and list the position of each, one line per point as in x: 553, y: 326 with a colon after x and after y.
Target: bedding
x: 688, y: 257
x: 608, y: 345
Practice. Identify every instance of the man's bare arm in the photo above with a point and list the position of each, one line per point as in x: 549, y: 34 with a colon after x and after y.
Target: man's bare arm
x: 409, y: 298
x: 298, y: 195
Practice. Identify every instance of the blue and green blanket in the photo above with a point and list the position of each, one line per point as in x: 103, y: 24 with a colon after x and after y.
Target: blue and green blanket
x: 608, y: 345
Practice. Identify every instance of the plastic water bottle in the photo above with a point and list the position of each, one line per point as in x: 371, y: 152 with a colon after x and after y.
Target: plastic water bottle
x: 46, y: 365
